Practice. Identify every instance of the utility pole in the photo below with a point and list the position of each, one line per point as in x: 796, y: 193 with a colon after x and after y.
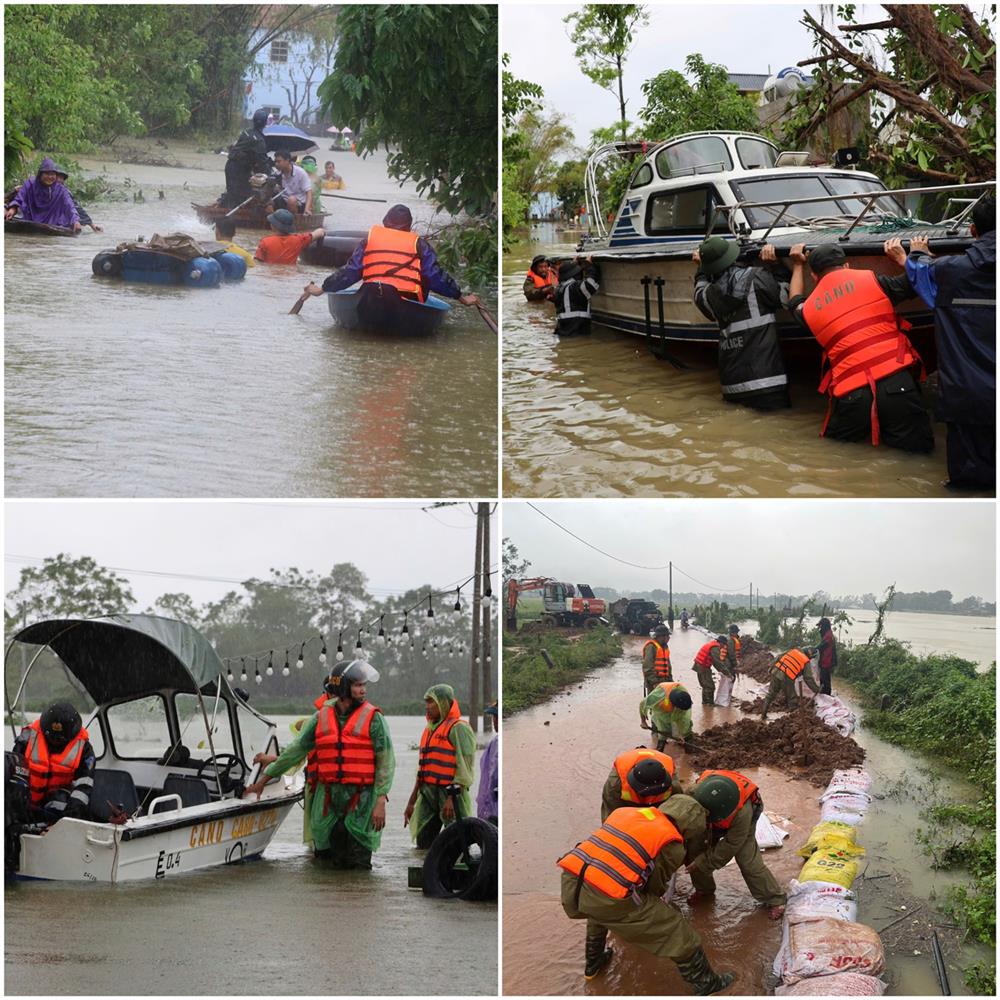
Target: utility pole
x: 474, y: 648
x: 484, y: 513
x: 670, y: 605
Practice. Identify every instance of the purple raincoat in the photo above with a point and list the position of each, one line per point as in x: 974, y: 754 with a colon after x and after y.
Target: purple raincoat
x: 52, y: 205
x: 487, y: 806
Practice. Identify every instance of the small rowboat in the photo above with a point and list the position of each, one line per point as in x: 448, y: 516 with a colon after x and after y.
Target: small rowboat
x: 255, y: 217
x: 27, y: 228
x: 379, y: 307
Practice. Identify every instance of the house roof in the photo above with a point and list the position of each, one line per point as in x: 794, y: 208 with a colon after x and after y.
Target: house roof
x: 749, y: 81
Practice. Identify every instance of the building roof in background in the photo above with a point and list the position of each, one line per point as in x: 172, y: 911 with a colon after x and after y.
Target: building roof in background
x: 749, y: 81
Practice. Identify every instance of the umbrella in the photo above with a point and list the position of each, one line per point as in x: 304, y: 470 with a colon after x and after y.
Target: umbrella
x: 287, y: 137
x: 346, y: 131
x: 334, y: 130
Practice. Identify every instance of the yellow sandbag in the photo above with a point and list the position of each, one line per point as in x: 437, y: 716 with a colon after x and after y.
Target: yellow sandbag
x: 830, y: 865
x: 829, y: 834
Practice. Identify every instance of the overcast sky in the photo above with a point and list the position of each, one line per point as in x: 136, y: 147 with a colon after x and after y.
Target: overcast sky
x: 397, y: 545
x: 791, y: 547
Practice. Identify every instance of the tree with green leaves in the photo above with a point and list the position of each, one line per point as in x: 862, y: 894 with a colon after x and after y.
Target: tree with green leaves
x: 514, y: 567
x: 603, y: 34
x: 519, y: 97
x: 569, y: 185
x: 544, y: 138
x: 923, y: 79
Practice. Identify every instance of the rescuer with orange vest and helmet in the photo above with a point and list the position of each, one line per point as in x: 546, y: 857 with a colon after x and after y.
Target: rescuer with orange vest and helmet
x: 666, y: 710
x: 60, y: 762
x: 712, y: 654
x: 540, y: 281
x: 734, y: 805
x: 785, y: 671
x: 394, y: 255
x: 354, y: 768
x: 656, y: 659
x: 639, y: 777
x: 615, y: 880
x: 445, y: 768
x: 870, y: 362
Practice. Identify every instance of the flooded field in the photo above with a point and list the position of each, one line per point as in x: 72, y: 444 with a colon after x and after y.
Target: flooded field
x: 285, y: 925
x: 119, y: 389
x: 600, y: 416
x: 585, y: 727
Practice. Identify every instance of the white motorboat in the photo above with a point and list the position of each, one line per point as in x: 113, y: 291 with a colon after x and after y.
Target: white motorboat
x: 739, y: 186
x: 157, y: 809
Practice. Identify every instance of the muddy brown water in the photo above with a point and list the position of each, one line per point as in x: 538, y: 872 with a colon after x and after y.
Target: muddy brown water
x: 599, y: 416
x: 284, y: 925
x: 121, y: 389
x: 587, y: 726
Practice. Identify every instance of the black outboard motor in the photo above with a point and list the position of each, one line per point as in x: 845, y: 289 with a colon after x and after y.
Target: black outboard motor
x: 17, y: 807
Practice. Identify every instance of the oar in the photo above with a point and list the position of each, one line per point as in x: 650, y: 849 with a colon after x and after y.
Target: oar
x: 347, y: 197
x: 239, y: 206
x: 297, y: 308
x: 487, y: 318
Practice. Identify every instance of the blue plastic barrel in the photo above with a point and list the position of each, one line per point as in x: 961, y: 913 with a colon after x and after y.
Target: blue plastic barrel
x: 234, y: 267
x: 107, y: 264
x: 203, y: 272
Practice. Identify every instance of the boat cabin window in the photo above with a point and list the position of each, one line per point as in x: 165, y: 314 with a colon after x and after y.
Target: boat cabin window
x: 255, y: 733
x: 192, y: 724
x: 755, y: 153
x: 787, y: 189
x: 96, y: 734
x: 706, y: 154
x: 642, y: 176
x: 686, y: 212
x: 138, y: 729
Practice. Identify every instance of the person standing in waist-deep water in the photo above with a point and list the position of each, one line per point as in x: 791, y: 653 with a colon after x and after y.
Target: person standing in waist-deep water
x: 827, y: 655
x: 962, y: 291
x: 579, y: 281
x: 540, y: 281
x: 247, y: 156
x: 744, y: 301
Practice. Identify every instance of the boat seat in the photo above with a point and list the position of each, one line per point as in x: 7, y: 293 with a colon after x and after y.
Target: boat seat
x: 112, y: 788
x: 193, y: 791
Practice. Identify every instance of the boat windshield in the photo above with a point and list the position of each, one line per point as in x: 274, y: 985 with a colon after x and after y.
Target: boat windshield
x: 138, y: 729
x: 788, y: 189
x: 847, y: 184
x: 704, y: 154
x: 756, y: 153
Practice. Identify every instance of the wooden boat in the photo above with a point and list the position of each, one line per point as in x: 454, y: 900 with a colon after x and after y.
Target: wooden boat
x: 334, y: 250
x: 181, y: 813
x: 27, y: 228
x: 255, y: 217
x: 379, y: 307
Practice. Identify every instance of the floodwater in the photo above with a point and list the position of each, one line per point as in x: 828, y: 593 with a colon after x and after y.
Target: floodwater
x: 600, y: 416
x: 119, y: 389
x: 584, y: 728
x: 283, y: 925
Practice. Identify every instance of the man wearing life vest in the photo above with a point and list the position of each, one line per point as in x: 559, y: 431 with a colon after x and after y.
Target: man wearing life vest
x: 711, y: 654
x: 869, y: 360
x: 731, y: 656
x: 639, y: 777
x: 666, y: 710
x: 395, y: 256
x: 354, y: 766
x: 656, y: 659
x: 785, y: 671
x: 445, y: 768
x: 734, y: 805
x: 61, y: 763
x: 540, y: 281
x: 744, y: 301
x: 615, y: 878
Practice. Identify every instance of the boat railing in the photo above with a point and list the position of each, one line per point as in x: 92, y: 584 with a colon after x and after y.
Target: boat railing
x: 868, y: 197
x: 591, y: 191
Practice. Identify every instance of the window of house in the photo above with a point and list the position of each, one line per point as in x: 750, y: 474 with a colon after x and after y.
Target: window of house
x: 279, y: 50
x: 682, y: 213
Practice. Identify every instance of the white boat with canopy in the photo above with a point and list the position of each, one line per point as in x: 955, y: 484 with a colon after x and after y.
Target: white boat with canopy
x: 158, y: 807
x: 739, y: 186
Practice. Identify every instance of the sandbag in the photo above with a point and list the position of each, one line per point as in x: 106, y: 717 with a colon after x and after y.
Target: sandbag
x: 816, y: 900
x: 825, y: 947
x: 830, y: 865
x: 801, y: 688
x: 840, y: 984
x: 724, y: 691
x: 830, y: 833
x: 834, y: 713
x: 845, y: 807
x: 767, y: 834
x: 853, y: 779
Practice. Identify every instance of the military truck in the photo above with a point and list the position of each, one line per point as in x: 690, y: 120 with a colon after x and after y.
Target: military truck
x: 636, y: 616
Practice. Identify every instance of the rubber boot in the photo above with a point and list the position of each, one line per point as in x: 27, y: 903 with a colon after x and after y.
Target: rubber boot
x: 701, y: 977
x: 596, y: 955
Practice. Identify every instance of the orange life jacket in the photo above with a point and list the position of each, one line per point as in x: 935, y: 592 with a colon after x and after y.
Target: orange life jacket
x: 666, y: 705
x: 703, y: 658
x: 549, y: 281
x: 48, y: 772
x: 624, y: 763
x: 724, y: 650
x: 618, y: 858
x: 863, y: 339
x: 747, y: 791
x: 438, y: 759
x: 311, y: 756
x: 346, y: 755
x: 661, y: 665
x: 391, y: 258
x: 792, y: 663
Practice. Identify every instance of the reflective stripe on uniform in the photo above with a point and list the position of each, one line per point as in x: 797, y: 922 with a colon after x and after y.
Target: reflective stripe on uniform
x: 577, y: 314
x: 758, y: 383
x: 973, y: 302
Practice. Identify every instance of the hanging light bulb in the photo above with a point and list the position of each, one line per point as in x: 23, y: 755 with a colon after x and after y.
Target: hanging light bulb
x: 358, y: 650
x: 229, y: 671
x: 243, y: 668
x: 487, y: 593
x: 451, y: 652
x: 286, y: 669
x: 381, y: 637
x: 434, y: 642
x: 340, y: 644
x: 322, y: 652
x: 270, y: 664
x: 475, y: 659
x: 300, y: 662
x: 457, y: 610
x: 388, y: 639
x: 256, y: 673
x: 430, y: 611
x: 424, y: 648
x: 405, y: 630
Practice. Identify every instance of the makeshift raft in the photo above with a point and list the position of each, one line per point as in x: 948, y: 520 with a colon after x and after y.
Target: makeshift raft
x: 380, y: 308
x: 27, y: 228
x: 176, y: 259
x: 255, y: 217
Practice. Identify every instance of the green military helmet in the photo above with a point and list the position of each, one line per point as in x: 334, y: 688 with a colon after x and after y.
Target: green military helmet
x: 719, y: 796
x: 649, y: 778
x: 717, y: 254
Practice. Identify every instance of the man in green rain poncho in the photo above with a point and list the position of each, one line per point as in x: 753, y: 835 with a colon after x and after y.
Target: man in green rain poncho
x: 668, y: 708
x: 354, y: 764
x: 444, y: 768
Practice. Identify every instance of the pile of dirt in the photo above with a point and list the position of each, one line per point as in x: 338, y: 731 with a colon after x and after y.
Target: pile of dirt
x: 798, y: 742
x: 754, y: 707
x: 755, y: 660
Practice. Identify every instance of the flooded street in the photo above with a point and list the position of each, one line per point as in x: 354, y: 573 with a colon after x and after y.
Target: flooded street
x: 584, y: 728
x: 600, y: 416
x: 120, y: 389
x: 284, y: 925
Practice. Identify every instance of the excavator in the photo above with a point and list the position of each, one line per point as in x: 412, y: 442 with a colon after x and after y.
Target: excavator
x: 563, y: 603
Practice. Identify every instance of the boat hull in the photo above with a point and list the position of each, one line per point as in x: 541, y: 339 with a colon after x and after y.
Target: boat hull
x: 334, y: 250
x: 254, y: 217
x: 163, y: 845
x: 27, y: 228
x: 377, y: 307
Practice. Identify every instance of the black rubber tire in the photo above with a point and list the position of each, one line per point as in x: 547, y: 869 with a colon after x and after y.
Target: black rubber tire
x: 107, y: 265
x: 447, y: 849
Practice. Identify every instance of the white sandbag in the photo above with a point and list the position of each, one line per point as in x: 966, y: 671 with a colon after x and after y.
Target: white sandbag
x: 815, y: 900
x: 724, y: 691
x: 853, y: 779
x: 801, y: 688
x: 824, y: 947
x: 840, y: 984
x: 768, y: 835
x: 671, y: 889
x: 834, y: 713
x: 845, y: 807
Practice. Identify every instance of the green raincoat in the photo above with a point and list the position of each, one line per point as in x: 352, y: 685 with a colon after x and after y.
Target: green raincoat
x: 323, y: 817
x: 432, y: 798
x: 666, y: 720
